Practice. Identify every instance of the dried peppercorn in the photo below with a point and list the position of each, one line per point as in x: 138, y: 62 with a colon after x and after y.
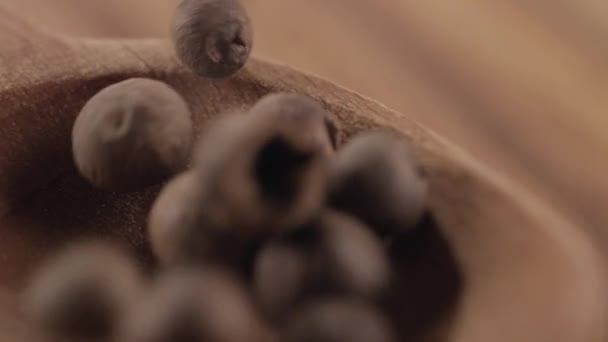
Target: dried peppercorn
x: 354, y: 259
x: 212, y: 37
x: 375, y: 178
x: 300, y: 117
x: 188, y: 305
x: 282, y: 277
x: 255, y: 174
x: 83, y: 293
x: 262, y: 177
x: 338, y: 320
x: 181, y: 231
x: 132, y: 134
x: 336, y: 255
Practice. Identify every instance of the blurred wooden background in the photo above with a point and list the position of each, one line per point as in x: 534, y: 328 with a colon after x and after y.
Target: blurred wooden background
x: 521, y: 84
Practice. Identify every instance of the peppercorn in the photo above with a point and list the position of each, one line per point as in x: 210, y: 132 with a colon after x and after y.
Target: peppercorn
x: 263, y: 176
x: 180, y: 230
x: 282, y: 277
x: 188, y: 305
x: 83, y: 293
x: 301, y: 118
x: 335, y: 255
x: 132, y: 134
x: 354, y: 258
x: 212, y: 37
x: 375, y: 178
x: 338, y: 320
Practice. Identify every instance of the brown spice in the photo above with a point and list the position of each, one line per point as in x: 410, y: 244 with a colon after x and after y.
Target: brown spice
x: 336, y: 255
x: 180, y: 230
x: 132, y: 134
x: 375, y: 178
x: 83, y: 293
x: 262, y: 177
x: 338, y: 320
x: 282, y: 276
x: 187, y: 305
x: 301, y: 118
x: 212, y: 37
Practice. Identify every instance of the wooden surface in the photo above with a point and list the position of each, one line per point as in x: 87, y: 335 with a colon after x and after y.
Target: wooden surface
x: 520, y: 84
x: 527, y: 273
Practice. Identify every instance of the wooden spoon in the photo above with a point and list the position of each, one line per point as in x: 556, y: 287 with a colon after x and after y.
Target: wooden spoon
x: 524, y: 272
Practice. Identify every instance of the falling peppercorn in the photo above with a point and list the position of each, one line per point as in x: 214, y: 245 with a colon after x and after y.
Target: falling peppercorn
x: 212, y: 37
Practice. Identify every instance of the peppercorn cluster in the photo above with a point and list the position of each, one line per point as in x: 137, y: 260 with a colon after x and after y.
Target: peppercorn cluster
x: 268, y: 228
